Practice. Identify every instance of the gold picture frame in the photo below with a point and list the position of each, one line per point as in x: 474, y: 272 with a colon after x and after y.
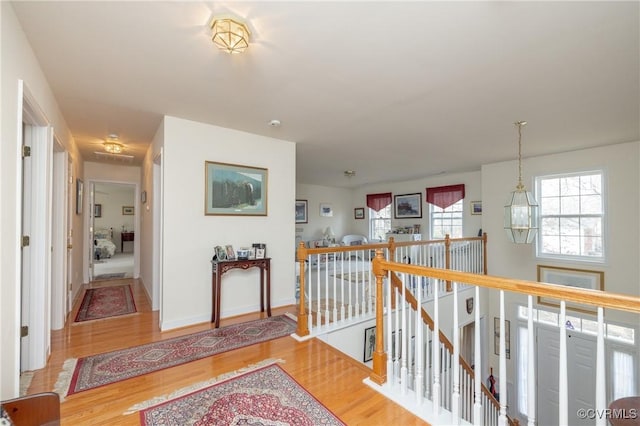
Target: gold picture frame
x: 571, y: 277
x: 235, y: 190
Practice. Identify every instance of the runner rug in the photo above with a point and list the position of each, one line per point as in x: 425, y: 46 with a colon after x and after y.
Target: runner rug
x: 103, y: 369
x: 264, y: 396
x: 105, y: 302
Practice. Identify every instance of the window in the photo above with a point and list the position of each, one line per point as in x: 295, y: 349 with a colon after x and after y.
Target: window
x: 379, y: 223
x: 446, y: 221
x: 571, y: 216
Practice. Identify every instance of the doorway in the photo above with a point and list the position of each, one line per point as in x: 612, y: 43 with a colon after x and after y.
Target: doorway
x: 112, y: 253
x: 580, y: 375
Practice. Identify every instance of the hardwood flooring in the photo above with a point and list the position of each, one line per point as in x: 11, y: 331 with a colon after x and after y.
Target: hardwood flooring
x: 332, y: 377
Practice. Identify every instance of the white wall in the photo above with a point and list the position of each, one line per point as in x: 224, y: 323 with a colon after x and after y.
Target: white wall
x: 19, y: 62
x: 621, y: 270
x: 471, y: 180
x: 338, y: 198
x: 190, y: 236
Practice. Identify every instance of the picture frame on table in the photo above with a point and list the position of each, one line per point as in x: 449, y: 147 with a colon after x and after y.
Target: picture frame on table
x: 128, y: 210
x: 302, y: 210
x: 231, y: 253
x: 407, y: 206
x: 571, y: 277
x: 358, y: 213
x: 476, y: 207
x: 235, y: 190
x: 79, y: 195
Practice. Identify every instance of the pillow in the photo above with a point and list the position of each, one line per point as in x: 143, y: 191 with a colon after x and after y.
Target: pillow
x: 355, y: 243
x: 102, y: 234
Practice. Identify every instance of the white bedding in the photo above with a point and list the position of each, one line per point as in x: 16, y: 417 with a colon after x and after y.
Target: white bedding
x: 103, y: 248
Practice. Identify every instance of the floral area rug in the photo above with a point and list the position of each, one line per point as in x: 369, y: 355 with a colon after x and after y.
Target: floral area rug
x: 105, y: 302
x: 102, y: 369
x: 264, y: 396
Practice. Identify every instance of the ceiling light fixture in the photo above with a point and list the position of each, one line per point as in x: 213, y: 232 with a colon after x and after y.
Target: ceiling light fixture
x: 230, y: 35
x: 349, y: 173
x: 521, y: 209
x: 113, y: 147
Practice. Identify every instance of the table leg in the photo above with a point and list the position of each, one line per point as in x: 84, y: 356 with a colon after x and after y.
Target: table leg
x: 262, y: 270
x: 268, y: 271
x: 218, y: 285
x: 213, y: 297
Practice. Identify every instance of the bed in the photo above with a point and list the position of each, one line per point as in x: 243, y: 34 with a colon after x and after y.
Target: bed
x: 103, y: 246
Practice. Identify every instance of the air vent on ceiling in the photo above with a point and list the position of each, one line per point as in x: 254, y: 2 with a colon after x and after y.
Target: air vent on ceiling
x: 121, y: 158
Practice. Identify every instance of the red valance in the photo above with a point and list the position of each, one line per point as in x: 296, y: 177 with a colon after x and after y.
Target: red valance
x: 445, y: 196
x: 378, y: 202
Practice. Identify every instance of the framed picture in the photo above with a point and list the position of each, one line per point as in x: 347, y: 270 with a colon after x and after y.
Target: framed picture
x: 302, y: 211
x: 143, y: 197
x: 97, y: 210
x: 358, y: 213
x: 581, y: 278
x: 476, y: 207
x: 507, y: 337
x: 127, y: 210
x: 231, y: 254
x: 235, y: 190
x: 260, y: 250
x: 79, y: 195
x: 220, y: 253
x: 407, y: 206
x: 369, y: 343
x: 326, y: 210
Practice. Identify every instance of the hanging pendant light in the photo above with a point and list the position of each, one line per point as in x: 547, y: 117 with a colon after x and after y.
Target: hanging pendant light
x: 521, y: 209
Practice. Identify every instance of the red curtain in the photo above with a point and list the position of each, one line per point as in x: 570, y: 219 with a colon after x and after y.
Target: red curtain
x: 444, y: 196
x: 378, y: 201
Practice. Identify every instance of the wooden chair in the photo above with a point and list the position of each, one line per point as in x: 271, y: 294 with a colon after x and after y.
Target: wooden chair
x: 41, y: 409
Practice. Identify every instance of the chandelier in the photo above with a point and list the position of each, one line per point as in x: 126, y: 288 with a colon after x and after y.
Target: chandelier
x: 113, y: 147
x: 521, y: 209
x: 230, y: 35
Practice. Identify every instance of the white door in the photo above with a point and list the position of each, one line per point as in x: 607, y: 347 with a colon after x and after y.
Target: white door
x: 581, y: 375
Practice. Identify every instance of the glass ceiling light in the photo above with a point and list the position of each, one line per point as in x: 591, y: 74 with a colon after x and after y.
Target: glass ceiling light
x: 113, y: 147
x: 521, y: 209
x: 230, y: 35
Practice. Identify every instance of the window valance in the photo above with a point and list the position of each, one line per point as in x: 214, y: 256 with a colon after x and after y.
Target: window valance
x: 445, y: 196
x: 378, y: 202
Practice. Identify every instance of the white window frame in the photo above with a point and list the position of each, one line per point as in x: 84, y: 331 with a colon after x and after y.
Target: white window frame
x: 435, y: 210
x: 603, y: 216
x: 384, y: 216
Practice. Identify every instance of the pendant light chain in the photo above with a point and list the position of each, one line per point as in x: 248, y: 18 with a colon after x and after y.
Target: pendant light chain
x: 520, y: 124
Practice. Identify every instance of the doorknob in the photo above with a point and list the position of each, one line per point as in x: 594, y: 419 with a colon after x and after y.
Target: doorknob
x: 69, y: 246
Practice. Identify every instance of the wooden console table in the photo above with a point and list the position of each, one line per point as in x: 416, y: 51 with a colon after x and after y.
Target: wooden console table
x: 125, y: 236
x: 218, y: 268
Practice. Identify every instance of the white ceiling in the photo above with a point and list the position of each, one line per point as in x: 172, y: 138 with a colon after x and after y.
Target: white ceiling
x: 392, y: 90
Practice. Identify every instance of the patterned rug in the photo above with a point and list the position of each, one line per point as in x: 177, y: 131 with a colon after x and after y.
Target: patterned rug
x: 266, y: 396
x: 105, y: 302
x: 102, y: 369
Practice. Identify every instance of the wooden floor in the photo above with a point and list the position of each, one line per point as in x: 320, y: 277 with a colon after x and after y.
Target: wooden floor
x: 333, y: 378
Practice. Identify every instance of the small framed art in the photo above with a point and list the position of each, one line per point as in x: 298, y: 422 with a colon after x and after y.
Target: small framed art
x: 358, y: 213
x: 326, y: 210
x: 302, y: 211
x: 369, y: 343
x: 128, y: 210
x: 79, y: 195
x: 143, y: 197
x: 476, y: 207
x: 97, y: 210
x: 507, y: 337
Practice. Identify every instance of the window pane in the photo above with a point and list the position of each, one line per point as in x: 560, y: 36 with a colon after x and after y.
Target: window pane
x: 549, y: 205
x: 570, y: 186
x: 570, y: 205
x: 569, y: 226
x: 551, y: 187
x: 624, y: 375
x: 551, y: 244
x: 547, y: 317
x: 617, y: 332
x: 591, y: 204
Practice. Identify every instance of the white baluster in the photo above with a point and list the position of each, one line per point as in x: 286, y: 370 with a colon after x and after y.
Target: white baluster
x: 419, y: 388
x: 477, y: 405
x: 388, y: 333
x: 435, y: 351
x: 531, y: 373
x: 455, y: 403
x: 601, y: 384
x: 401, y: 346
x: 502, y: 419
x: 563, y: 388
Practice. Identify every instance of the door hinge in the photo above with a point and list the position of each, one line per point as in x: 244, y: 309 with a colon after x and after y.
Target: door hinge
x: 26, y: 151
x: 69, y: 287
x: 25, y: 241
x: 24, y: 331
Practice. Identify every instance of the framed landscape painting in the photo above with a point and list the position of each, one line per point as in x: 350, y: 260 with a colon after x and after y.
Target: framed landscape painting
x: 235, y: 190
x: 571, y: 277
x: 408, y: 206
x: 302, y: 211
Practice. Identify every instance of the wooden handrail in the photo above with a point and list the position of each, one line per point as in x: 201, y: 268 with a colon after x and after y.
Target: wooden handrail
x: 596, y: 298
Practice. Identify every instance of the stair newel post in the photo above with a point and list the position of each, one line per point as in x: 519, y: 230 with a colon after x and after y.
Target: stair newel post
x: 435, y: 352
x: 455, y: 397
x: 418, y: 384
x: 379, y: 374
x: 303, y: 327
x: 601, y: 383
x: 531, y: 363
x: 563, y: 384
x: 447, y: 257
